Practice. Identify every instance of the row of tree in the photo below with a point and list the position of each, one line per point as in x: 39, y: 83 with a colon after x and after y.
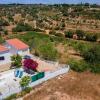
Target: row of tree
x: 81, y: 35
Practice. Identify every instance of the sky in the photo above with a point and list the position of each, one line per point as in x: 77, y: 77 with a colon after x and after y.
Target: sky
x: 50, y: 1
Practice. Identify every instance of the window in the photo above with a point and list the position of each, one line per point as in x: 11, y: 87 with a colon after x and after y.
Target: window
x: 2, y: 58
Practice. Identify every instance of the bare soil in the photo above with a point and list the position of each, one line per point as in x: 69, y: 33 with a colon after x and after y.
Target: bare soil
x: 71, y: 86
x: 67, y: 52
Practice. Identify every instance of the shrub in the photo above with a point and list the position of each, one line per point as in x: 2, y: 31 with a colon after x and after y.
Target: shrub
x: 91, y: 37
x: 95, y: 68
x: 59, y: 34
x: 16, y: 61
x: 25, y: 81
x: 78, y: 66
x: 27, y: 89
x: 22, y: 27
x: 69, y: 34
x: 11, y: 97
x: 92, y: 55
x: 52, y: 32
x: 3, y: 22
x: 1, y: 40
x: 30, y: 64
x: 5, y: 32
x: 80, y: 34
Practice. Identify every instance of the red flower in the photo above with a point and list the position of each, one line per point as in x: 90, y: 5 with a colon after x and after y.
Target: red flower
x: 30, y: 64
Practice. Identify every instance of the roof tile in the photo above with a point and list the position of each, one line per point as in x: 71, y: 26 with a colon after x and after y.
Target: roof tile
x: 17, y: 44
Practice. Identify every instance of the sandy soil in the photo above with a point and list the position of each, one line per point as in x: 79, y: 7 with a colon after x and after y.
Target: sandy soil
x: 71, y: 86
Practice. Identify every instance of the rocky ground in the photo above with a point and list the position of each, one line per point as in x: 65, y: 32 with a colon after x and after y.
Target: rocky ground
x: 71, y: 86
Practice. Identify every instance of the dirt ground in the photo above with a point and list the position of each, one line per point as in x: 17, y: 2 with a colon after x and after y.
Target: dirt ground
x: 67, y: 52
x: 71, y: 86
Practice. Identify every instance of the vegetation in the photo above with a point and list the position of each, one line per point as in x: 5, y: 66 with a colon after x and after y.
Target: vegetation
x: 92, y: 55
x: 82, y: 35
x: 79, y: 66
x: 21, y: 27
x: 91, y: 37
x: 25, y: 81
x: 45, y: 49
x: 69, y: 34
x: 3, y: 22
x: 30, y: 64
x: 21, y: 94
x: 58, y: 19
x: 16, y: 61
x: 64, y: 21
x: 1, y: 40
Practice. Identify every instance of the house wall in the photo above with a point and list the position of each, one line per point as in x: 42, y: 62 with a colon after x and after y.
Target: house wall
x: 7, y: 56
x: 24, y: 52
x: 14, y: 51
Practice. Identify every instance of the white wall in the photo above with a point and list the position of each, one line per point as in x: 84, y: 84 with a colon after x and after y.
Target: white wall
x: 15, y: 51
x: 24, y: 52
x: 7, y: 57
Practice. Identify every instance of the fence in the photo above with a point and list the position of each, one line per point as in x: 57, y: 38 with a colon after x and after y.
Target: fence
x: 50, y: 75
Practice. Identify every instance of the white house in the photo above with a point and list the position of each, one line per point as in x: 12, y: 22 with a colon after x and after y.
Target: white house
x: 4, y: 55
x: 11, y: 47
x: 16, y: 46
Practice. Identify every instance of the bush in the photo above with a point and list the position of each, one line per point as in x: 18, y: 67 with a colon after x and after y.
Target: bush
x: 80, y: 34
x: 91, y: 37
x: 16, y: 61
x: 22, y: 27
x: 1, y: 40
x: 5, y: 32
x: 59, y: 34
x: 95, y: 68
x: 3, y: 22
x: 52, y: 32
x: 78, y: 66
x: 25, y: 81
x: 69, y: 34
x: 92, y: 55
x: 27, y: 90
x: 11, y: 97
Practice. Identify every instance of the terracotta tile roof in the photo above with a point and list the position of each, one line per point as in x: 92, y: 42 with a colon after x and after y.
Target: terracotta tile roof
x: 17, y: 44
x: 3, y: 48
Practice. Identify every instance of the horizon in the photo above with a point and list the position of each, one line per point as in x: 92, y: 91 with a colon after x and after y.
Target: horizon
x: 49, y: 1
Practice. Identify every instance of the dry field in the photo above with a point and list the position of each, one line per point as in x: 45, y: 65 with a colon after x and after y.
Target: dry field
x: 71, y: 86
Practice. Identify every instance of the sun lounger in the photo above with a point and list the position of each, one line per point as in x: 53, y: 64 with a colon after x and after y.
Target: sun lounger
x: 16, y: 73
x: 20, y: 74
